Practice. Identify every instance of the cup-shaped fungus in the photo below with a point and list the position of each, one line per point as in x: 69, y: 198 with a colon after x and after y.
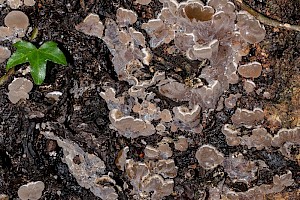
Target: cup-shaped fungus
x: 199, y: 12
x: 239, y: 169
x: 159, y: 32
x: 143, y: 2
x: 166, y: 168
x: 181, y: 144
x: 204, y: 51
x: 209, y: 157
x: 250, y: 70
x: 151, y: 152
x: 4, y: 53
x: 129, y: 126
x: 251, y: 30
x: 126, y: 17
x: 165, y: 115
x: 5, y: 33
x: 165, y: 150
x: 232, y: 136
x: 31, y: 191
x: 259, y: 139
x: 18, y: 21
x: 14, y: 4
x: 158, y: 186
x: 18, y: 89
x: 121, y: 158
x: 247, y: 118
x: 280, y: 182
x: 186, y: 115
x: 249, y: 86
x: 29, y: 2
x: 230, y: 102
x: 54, y: 95
x: 91, y: 25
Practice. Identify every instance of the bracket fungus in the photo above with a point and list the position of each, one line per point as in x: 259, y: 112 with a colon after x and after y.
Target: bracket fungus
x: 181, y: 144
x: 17, y: 21
x: 19, y: 89
x: 29, y: 2
x: 251, y: 30
x: 239, y: 169
x: 249, y: 86
x: 130, y: 127
x: 250, y: 70
x: 230, y: 102
x: 209, y: 157
x: 214, y: 37
x: 195, y: 10
x: 91, y: 25
x: 5, y: 33
x: 247, y: 118
x: 87, y: 169
x: 143, y: 2
x: 126, y: 17
x: 4, y: 54
x: 31, y: 191
x: 151, y: 180
x: 14, y: 4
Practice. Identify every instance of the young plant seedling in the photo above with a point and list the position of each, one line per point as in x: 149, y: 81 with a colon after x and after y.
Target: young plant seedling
x: 37, y: 58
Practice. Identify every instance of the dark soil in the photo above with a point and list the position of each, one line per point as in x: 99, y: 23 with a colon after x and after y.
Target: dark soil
x: 24, y: 153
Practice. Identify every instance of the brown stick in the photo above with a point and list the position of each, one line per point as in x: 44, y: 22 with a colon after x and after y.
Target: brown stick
x: 264, y: 19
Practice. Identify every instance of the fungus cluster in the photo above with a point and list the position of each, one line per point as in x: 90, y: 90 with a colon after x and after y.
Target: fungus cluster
x: 259, y: 192
x: 259, y: 138
x: 4, y: 54
x: 88, y: 169
x: 16, y: 24
x: 19, y: 89
x: 239, y: 169
x: 213, y: 35
x: 31, y: 191
x: 15, y: 4
x: 209, y: 157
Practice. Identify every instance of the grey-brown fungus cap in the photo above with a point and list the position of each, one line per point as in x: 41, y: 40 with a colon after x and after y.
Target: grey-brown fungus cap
x: 247, y: 118
x: 4, y: 54
x: 209, y: 157
x: 249, y: 86
x: 181, y: 144
x: 251, y: 30
x: 19, y: 89
x: 91, y: 25
x: 16, y: 19
x: 250, y: 70
x: 186, y: 115
x: 195, y: 10
x: 143, y: 2
x: 126, y: 17
x: 14, y: 4
x: 5, y: 32
x: 29, y: 2
x: 31, y: 191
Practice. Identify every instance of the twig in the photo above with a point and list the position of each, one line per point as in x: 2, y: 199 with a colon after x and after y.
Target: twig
x: 264, y: 19
x: 5, y: 77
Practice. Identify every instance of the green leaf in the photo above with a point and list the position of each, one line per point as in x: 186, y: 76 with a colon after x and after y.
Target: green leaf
x: 37, y: 58
x: 50, y: 51
x: 20, y: 56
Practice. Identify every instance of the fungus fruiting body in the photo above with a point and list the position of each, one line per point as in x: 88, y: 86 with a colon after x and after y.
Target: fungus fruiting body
x: 211, y: 38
